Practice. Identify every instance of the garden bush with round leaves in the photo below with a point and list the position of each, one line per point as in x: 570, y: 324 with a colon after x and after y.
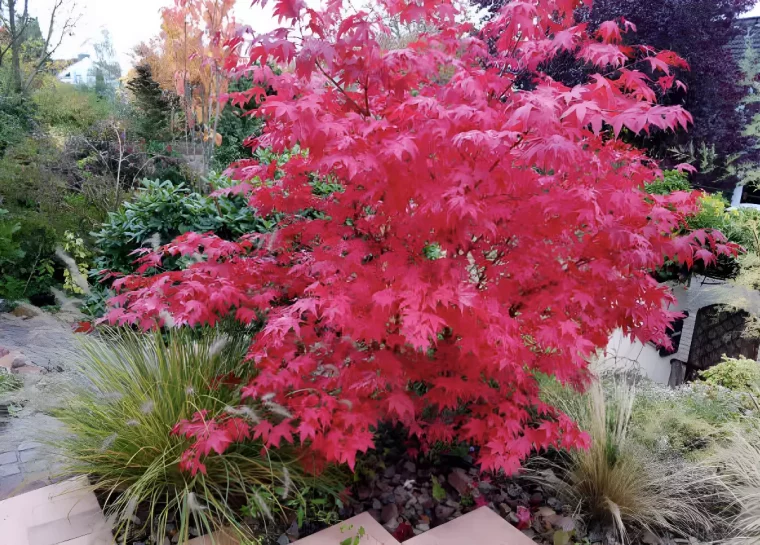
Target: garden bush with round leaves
x: 162, y: 210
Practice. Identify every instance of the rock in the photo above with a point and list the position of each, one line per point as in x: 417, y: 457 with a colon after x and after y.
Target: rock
x: 529, y: 533
x: 554, y: 503
x: 29, y: 370
x: 292, y: 531
x: 562, y: 523
x: 485, y: 487
x: 452, y: 503
x: 411, y: 467
x: 12, y: 360
x: 375, y: 514
x: 443, y: 512
x: 401, y: 494
x: 389, y: 472
x: 364, y: 492
x: 4, y: 351
x: 26, y: 311
x: 391, y: 525
x: 20, y: 361
x: 389, y: 513
x: 167, y: 541
x: 460, y: 481
x: 595, y: 534
x: 546, y: 512
x: 504, y: 509
x: 513, y: 490
x: 377, y: 504
x: 387, y: 497
x: 283, y: 540
x: 383, y: 486
x: 536, y: 498
x: 4, y: 305
x: 424, y: 519
x: 423, y: 527
x: 426, y: 501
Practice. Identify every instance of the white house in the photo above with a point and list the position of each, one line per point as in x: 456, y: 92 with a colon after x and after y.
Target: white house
x: 81, y: 72
x: 717, y: 313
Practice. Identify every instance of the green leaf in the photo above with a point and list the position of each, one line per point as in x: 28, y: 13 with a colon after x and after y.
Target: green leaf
x: 562, y: 537
x: 438, y: 492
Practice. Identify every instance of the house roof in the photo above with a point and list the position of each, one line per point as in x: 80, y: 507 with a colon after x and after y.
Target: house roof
x: 749, y: 35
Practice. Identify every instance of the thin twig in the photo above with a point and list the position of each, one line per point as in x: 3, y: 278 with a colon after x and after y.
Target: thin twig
x: 339, y: 88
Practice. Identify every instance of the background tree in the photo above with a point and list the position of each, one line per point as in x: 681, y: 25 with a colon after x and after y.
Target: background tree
x: 106, y: 66
x: 197, y: 47
x: 699, y: 31
x: 19, y: 27
x: 153, y: 105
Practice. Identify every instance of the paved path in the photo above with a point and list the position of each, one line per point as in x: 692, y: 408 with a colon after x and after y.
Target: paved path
x: 26, y: 463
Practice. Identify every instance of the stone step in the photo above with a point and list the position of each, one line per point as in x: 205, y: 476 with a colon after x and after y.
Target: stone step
x: 479, y: 527
x: 67, y: 512
x: 374, y: 534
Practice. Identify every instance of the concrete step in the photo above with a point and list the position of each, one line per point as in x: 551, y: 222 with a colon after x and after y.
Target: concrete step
x: 66, y: 512
x: 479, y: 527
x: 374, y: 534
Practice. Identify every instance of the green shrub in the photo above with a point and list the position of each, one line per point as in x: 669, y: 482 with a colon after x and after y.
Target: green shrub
x: 236, y: 126
x: 10, y: 251
x: 15, y: 120
x: 119, y: 433
x: 9, y: 383
x: 689, y: 421
x: 672, y: 180
x: 70, y: 108
x: 161, y: 211
x: 739, y: 374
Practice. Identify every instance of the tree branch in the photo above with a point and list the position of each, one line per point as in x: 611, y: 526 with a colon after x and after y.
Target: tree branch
x: 68, y: 25
x: 345, y: 94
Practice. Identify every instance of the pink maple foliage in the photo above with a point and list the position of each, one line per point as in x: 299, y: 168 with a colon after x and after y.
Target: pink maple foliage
x: 482, y: 233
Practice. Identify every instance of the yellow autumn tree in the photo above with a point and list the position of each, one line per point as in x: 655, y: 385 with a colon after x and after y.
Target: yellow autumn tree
x: 192, y: 57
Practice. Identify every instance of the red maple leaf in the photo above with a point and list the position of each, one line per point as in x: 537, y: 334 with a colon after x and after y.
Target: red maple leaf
x: 440, y: 239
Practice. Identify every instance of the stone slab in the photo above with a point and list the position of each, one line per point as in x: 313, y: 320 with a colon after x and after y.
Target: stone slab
x: 375, y: 534
x: 64, y: 513
x: 8, y: 457
x: 479, y: 527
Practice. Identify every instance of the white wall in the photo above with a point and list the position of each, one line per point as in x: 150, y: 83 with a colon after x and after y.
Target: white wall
x: 79, y: 73
x: 621, y: 352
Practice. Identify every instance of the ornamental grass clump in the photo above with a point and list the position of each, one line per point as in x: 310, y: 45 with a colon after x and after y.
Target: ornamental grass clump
x: 122, y: 434
x: 617, y: 480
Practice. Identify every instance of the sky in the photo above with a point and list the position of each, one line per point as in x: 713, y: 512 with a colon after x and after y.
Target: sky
x: 133, y: 21
x: 129, y: 22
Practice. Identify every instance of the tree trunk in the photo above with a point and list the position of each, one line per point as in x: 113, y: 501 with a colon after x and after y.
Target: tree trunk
x: 15, y: 48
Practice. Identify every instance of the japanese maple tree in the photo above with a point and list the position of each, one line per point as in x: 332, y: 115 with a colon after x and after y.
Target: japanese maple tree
x: 480, y: 234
